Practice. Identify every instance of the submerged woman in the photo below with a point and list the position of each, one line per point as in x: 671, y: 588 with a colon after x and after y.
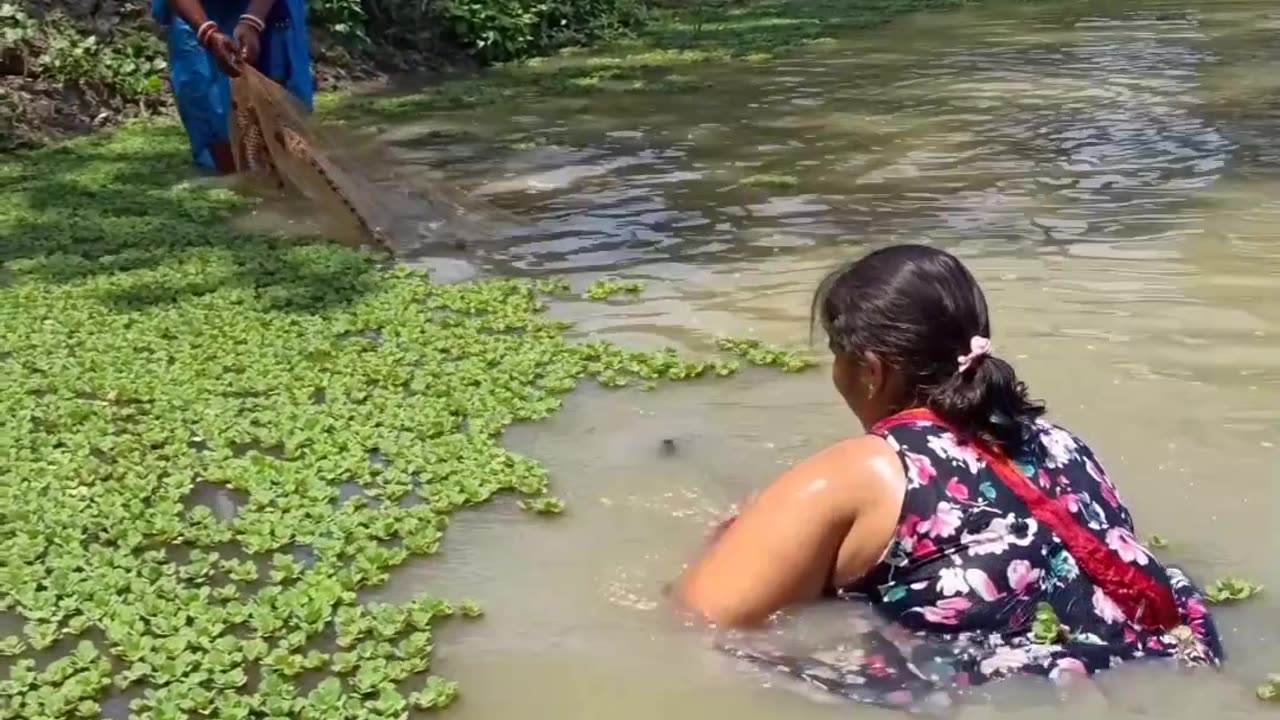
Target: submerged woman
x: 208, y: 39
x: 990, y: 541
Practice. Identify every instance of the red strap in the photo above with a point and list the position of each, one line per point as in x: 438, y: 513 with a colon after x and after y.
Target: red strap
x: 1145, y: 602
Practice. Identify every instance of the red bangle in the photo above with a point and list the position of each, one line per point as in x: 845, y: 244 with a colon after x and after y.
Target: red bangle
x: 207, y: 28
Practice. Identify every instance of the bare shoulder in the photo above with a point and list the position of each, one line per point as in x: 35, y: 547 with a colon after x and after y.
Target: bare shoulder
x: 852, y: 467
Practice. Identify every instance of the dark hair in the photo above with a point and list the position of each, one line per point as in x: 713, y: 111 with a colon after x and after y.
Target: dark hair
x: 917, y: 308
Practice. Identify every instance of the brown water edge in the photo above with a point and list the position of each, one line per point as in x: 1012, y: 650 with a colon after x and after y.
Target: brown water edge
x: 1107, y: 169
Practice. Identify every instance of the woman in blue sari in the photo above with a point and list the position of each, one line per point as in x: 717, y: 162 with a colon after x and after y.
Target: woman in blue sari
x: 208, y: 39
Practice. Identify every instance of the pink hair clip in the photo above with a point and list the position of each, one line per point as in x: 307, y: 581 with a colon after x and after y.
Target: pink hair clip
x: 978, y: 347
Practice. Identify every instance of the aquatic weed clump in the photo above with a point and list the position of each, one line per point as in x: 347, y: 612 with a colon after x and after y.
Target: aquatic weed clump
x: 213, y: 443
x: 764, y: 354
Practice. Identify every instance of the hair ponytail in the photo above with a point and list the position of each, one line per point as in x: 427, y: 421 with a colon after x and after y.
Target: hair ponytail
x: 987, y: 401
x: 922, y: 313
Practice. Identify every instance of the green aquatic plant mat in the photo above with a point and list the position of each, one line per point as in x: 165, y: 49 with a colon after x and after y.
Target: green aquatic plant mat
x: 1269, y: 691
x: 765, y: 354
x: 214, y: 444
x: 1230, y: 590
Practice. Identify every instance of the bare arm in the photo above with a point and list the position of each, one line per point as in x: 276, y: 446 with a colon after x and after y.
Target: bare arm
x: 785, y: 546
x: 260, y: 8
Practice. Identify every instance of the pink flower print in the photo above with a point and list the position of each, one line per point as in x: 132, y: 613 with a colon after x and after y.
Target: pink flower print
x: 1109, y: 494
x: 951, y: 582
x: 877, y: 667
x: 909, y: 525
x: 1067, y: 668
x: 944, y: 523
x: 1130, y: 636
x: 924, y: 548
x: 1003, y: 661
x: 1022, y: 575
x: 1126, y: 546
x: 919, y: 469
x: 1070, y: 501
x: 957, y: 490
x: 1106, y: 608
x: 1108, y: 489
x: 1195, y: 609
x: 945, y: 444
x: 944, y: 613
x: 981, y: 584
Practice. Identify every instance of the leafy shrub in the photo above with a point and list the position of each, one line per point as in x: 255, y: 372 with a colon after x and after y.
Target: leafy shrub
x: 495, y: 30
x: 17, y: 28
x: 345, y: 18
x: 130, y: 66
x: 500, y: 30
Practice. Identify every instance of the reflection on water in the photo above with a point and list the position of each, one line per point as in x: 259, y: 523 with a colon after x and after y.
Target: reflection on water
x: 1108, y: 170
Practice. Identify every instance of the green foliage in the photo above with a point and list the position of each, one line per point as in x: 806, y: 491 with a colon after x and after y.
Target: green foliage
x: 155, y: 363
x: 764, y: 354
x: 1231, y: 589
x: 345, y: 18
x: 1269, y: 691
x: 1046, y: 629
x: 130, y: 65
x: 494, y: 30
x: 1158, y: 542
x: 17, y: 28
x: 500, y: 30
x: 609, y: 287
x: 543, y: 506
x: 436, y: 694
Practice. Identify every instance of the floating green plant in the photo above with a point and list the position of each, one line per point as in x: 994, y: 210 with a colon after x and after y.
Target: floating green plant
x: 1231, y: 589
x: 764, y: 354
x: 610, y: 287
x: 211, y: 442
x: 543, y: 506
x: 779, y: 182
x: 1046, y: 628
x: 1269, y: 691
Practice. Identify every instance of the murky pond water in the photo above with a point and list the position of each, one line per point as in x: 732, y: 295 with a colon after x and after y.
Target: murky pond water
x: 1109, y: 170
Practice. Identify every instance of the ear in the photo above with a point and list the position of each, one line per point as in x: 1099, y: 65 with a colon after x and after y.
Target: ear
x: 874, y: 375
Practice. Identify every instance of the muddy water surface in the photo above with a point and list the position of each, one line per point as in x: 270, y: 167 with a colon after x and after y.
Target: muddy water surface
x: 1110, y: 172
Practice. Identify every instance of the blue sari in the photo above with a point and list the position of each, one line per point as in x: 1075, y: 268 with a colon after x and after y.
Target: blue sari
x: 203, y: 91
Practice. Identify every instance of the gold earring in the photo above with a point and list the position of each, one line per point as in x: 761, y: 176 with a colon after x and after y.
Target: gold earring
x: 871, y: 391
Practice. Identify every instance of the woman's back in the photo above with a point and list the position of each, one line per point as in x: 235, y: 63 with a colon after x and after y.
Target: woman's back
x: 970, y: 569
x: 989, y: 541
x: 969, y: 554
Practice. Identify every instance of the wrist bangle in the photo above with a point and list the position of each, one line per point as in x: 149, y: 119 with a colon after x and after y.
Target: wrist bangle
x: 207, y: 28
x: 253, y: 22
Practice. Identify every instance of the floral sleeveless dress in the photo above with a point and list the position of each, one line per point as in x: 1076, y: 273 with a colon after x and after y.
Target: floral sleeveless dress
x: 957, y: 592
